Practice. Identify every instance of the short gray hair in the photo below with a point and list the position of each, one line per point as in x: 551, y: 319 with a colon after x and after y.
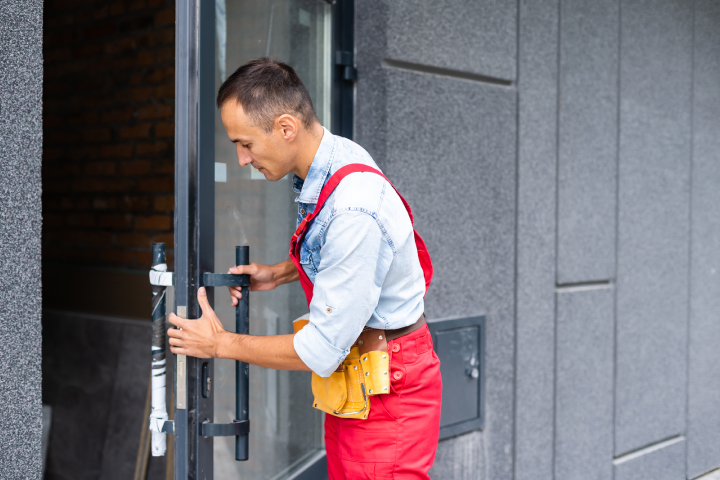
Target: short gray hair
x: 267, y: 89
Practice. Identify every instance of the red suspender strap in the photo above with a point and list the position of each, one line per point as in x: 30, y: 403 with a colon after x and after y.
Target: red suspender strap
x: 329, y: 187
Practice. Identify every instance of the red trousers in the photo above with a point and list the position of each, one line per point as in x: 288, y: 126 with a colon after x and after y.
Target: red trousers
x: 399, y: 439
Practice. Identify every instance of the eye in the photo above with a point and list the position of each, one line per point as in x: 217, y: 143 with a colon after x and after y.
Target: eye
x: 246, y: 145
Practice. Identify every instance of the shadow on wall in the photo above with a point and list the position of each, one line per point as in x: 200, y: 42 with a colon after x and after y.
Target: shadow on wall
x: 95, y: 377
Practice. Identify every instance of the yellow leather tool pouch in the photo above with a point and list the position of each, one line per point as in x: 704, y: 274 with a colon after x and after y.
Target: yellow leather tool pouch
x: 364, y: 372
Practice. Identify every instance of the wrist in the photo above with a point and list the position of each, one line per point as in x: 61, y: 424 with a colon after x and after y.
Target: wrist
x: 223, y: 344
x: 284, y: 272
x: 280, y: 273
x: 276, y: 275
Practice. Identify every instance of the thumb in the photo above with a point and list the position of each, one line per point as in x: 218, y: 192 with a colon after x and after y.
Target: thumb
x: 203, y: 301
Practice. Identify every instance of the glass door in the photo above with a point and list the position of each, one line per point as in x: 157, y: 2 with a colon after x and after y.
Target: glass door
x: 219, y: 205
x: 286, y: 432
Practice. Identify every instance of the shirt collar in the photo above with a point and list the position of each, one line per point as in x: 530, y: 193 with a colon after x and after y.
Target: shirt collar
x: 310, y: 188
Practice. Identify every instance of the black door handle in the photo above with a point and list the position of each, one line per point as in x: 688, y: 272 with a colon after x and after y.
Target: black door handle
x: 241, y: 425
x: 224, y: 279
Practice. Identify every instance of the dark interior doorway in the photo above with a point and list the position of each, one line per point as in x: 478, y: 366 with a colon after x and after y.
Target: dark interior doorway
x: 108, y: 179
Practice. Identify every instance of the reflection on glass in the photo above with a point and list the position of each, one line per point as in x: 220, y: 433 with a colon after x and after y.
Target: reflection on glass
x: 285, y: 429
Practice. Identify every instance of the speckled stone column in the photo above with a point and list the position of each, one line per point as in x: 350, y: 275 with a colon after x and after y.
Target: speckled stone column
x: 21, y: 75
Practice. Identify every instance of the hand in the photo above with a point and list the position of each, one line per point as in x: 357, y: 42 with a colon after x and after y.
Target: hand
x: 262, y: 277
x: 197, y: 338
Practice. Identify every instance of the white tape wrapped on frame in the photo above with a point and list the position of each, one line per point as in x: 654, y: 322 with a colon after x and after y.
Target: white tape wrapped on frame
x: 160, y: 276
x: 158, y: 415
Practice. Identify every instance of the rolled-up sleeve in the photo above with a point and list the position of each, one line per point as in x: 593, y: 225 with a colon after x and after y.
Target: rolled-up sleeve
x: 356, y: 258
x: 321, y: 356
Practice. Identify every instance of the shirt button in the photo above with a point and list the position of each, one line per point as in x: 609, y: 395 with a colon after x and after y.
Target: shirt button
x: 397, y: 374
x: 302, y: 211
x: 396, y: 348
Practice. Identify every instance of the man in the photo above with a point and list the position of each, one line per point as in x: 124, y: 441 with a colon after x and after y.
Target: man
x: 363, y: 269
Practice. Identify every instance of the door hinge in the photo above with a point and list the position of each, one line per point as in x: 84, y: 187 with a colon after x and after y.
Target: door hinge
x: 346, y: 60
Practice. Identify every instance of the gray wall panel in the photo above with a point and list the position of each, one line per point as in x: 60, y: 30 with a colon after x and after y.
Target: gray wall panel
x: 584, y: 384
x: 587, y: 188
x: 537, y: 180
x: 371, y: 89
x: 703, y: 409
x: 451, y: 153
x: 662, y: 462
x: 21, y: 76
x: 461, y: 458
x: 653, y: 244
x: 467, y: 35
x: 456, y: 167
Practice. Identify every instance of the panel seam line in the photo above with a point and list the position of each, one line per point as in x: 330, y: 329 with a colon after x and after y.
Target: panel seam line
x: 446, y: 72
x: 654, y: 447
x: 584, y: 286
x: 516, y: 300
x: 688, y: 323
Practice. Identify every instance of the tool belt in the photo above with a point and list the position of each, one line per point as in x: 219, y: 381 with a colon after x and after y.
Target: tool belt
x: 364, y: 372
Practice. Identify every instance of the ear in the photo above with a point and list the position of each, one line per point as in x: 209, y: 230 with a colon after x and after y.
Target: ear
x: 288, y: 126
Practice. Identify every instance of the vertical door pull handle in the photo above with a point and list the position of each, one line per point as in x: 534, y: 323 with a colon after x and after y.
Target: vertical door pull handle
x: 241, y: 425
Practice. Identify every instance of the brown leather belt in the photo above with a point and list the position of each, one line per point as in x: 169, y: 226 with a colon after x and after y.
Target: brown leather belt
x: 375, y: 339
x: 400, y: 332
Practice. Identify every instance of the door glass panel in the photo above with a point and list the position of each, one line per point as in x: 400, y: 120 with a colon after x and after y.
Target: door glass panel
x: 285, y: 430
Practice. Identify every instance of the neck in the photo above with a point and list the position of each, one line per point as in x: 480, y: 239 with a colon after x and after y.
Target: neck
x: 310, y: 140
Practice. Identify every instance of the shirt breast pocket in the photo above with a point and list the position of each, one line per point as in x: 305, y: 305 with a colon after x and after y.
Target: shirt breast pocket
x: 306, y: 259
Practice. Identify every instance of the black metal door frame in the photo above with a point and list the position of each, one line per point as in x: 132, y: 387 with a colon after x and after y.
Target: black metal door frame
x: 194, y: 221
x: 195, y: 202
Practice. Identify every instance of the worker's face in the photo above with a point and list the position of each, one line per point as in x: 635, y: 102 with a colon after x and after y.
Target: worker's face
x: 273, y: 154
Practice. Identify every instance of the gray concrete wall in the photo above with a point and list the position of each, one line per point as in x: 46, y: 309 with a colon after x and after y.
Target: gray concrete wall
x: 703, y: 421
x: 20, y: 148
x: 562, y: 159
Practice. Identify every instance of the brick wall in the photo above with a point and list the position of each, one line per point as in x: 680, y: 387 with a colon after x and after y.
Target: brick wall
x: 108, y: 170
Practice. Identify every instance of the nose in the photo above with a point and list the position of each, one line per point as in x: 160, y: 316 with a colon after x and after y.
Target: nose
x: 243, y: 158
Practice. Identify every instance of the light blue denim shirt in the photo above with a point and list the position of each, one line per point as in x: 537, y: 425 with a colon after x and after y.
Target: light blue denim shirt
x: 360, y: 254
